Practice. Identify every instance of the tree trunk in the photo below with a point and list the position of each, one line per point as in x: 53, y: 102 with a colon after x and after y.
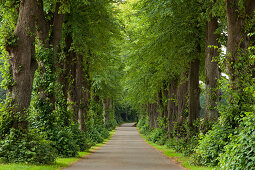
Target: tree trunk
x: 149, y: 115
x: 57, y: 28
x: 171, y: 108
x: 194, y: 94
x: 22, y: 62
x: 47, y: 63
x: 182, y: 106
x: 71, y: 74
x: 79, y: 92
x: 155, y: 115
x: 211, y: 71
x: 236, y: 38
x: 86, y: 100
x: 106, y: 104
x: 165, y: 105
x: 43, y: 26
x: 152, y: 113
x: 72, y: 91
x: 161, y: 104
x: 182, y: 93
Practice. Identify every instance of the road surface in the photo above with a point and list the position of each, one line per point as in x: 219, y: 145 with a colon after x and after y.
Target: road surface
x: 126, y: 151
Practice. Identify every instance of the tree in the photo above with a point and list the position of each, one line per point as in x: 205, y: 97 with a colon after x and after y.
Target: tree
x: 21, y: 48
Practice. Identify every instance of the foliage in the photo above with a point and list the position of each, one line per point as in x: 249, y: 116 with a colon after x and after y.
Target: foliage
x: 26, y: 148
x: 62, y: 139
x: 112, y: 123
x: 211, y: 145
x: 181, y: 145
x: 143, y: 125
x: 158, y: 136
x: 239, y: 153
x: 81, y: 138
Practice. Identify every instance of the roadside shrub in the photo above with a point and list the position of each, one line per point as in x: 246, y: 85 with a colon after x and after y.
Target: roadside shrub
x: 18, y: 147
x: 95, y: 136
x: 103, y: 131
x: 63, y: 141
x: 81, y: 138
x: 112, y: 123
x: 143, y: 125
x: 240, y: 152
x: 158, y: 136
x: 182, y: 145
x: 211, y: 145
x: 176, y: 144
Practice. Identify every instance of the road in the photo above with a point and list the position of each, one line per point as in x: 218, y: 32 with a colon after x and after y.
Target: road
x: 126, y: 151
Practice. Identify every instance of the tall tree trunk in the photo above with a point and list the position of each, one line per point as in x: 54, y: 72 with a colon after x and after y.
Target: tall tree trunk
x: 237, y: 35
x: 182, y: 93
x: 106, y: 104
x: 212, y: 71
x: 79, y: 92
x: 72, y: 91
x: 149, y: 115
x: 86, y: 91
x: 237, y: 53
x: 250, y: 6
x: 47, y: 62
x: 161, y: 103
x: 22, y: 62
x: 165, y: 105
x: 155, y: 114
x: 171, y: 108
x: 152, y: 113
x: 182, y: 106
x: 43, y: 26
x: 58, y: 21
x: 57, y: 28
x: 194, y: 94
x: 236, y: 38
x: 86, y: 100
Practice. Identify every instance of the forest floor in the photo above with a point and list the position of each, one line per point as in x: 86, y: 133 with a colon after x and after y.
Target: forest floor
x: 127, y: 150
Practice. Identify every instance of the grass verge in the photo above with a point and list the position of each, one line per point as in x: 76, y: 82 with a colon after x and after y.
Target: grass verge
x: 178, y: 157
x: 60, y: 162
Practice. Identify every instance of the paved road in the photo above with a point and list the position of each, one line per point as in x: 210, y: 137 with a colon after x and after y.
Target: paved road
x: 126, y: 151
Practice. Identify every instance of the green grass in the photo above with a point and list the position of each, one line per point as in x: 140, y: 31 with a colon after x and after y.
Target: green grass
x: 178, y: 157
x: 60, y: 162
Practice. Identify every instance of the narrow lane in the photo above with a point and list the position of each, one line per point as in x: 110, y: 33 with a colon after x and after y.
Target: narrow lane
x: 126, y: 151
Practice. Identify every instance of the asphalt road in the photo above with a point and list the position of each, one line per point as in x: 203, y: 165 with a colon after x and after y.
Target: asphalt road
x: 126, y: 151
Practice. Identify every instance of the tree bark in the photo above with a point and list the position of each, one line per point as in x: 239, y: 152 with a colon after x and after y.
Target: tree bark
x: 57, y: 28
x: 212, y: 71
x: 106, y: 104
x: 250, y: 6
x: 43, y: 26
x: 160, y: 103
x: 236, y: 38
x: 72, y: 91
x: 152, y: 113
x: 172, y: 107
x: 149, y: 111
x: 165, y: 105
x: 182, y: 93
x: 79, y: 92
x: 194, y: 94
x: 22, y: 62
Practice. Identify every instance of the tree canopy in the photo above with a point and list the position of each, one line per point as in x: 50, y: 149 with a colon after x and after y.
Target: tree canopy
x: 72, y: 70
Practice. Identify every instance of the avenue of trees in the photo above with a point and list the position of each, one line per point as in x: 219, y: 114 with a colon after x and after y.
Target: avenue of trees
x: 61, y: 71
x: 190, y: 69
x: 75, y: 69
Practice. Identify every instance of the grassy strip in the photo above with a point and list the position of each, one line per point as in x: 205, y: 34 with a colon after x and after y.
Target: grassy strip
x: 178, y: 157
x: 60, y: 162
